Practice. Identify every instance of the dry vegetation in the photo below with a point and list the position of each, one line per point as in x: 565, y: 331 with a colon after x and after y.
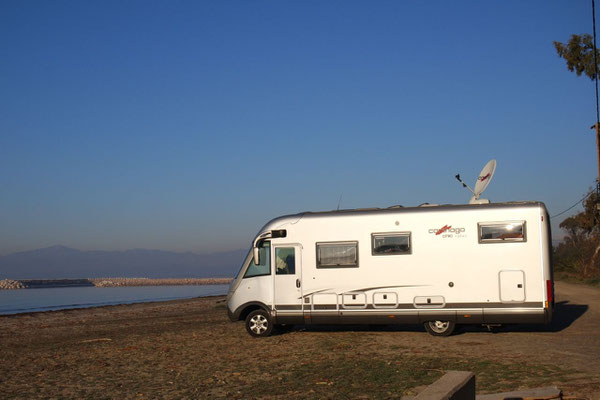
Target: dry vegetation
x: 577, y: 257
x: 189, y: 349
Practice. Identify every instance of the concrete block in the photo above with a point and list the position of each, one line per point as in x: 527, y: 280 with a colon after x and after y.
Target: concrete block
x: 454, y: 385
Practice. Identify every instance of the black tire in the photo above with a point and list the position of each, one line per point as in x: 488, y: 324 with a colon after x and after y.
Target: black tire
x: 259, y: 324
x: 439, y: 328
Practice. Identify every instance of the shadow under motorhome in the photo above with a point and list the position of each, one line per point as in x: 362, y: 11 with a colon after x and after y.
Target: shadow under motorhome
x: 436, y: 265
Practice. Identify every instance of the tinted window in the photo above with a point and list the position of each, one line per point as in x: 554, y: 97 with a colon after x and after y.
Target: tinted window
x: 285, y: 261
x: 502, y: 232
x: 337, y: 255
x: 390, y: 243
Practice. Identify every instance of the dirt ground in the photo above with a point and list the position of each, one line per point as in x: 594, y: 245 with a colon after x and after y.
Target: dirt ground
x: 189, y: 349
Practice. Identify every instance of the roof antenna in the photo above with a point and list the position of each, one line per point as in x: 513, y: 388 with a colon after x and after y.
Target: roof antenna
x: 339, y: 202
x: 457, y: 176
x: 483, y: 180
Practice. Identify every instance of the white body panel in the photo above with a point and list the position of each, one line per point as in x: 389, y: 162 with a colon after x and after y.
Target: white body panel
x: 450, y: 274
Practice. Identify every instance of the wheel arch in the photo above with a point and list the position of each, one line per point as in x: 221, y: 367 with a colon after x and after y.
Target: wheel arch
x: 242, y: 311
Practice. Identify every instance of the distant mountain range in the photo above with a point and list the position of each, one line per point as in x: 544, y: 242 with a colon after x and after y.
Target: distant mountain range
x: 58, y: 262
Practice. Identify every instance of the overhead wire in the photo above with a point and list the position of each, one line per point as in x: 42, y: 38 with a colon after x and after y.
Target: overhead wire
x: 595, y: 52
x: 575, y: 205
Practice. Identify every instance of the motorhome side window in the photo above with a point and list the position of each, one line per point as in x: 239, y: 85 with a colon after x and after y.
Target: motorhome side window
x: 265, y: 261
x: 337, y: 255
x: 501, y: 232
x: 389, y: 244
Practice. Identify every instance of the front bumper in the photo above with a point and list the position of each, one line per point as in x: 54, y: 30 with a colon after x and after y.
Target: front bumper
x: 231, y: 315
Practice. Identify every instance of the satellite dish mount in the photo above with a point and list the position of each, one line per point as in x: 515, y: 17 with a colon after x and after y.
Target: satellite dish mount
x: 483, y: 180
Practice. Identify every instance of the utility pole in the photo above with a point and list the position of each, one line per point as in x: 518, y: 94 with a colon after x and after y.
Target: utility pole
x: 596, y: 126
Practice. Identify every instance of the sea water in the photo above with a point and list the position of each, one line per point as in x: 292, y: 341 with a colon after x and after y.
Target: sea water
x: 46, y: 299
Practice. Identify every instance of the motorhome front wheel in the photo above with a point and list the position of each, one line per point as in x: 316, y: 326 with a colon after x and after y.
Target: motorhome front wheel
x: 258, y: 323
x: 439, y: 328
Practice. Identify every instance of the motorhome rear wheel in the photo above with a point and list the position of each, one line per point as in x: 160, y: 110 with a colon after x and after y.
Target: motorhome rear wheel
x: 439, y: 328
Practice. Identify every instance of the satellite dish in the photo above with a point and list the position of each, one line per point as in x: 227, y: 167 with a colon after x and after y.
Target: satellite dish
x: 483, y: 180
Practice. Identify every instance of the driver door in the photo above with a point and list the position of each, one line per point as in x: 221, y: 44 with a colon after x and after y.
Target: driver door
x: 287, y: 265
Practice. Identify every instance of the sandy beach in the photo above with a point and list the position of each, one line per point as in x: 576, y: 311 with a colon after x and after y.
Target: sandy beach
x: 189, y: 349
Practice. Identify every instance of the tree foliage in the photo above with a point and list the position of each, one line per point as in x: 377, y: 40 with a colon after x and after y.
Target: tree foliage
x: 579, y: 54
x: 579, y: 253
x: 584, y: 224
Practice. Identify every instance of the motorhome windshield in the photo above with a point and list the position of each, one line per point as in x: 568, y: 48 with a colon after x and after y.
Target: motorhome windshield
x: 264, y: 266
x: 248, y: 259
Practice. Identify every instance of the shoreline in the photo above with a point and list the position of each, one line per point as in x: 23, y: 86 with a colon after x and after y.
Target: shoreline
x: 17, y: 284
x: 218, y: 298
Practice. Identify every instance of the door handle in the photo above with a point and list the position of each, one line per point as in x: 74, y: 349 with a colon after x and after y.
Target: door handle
x: 520, y: 285
x: 297, y: 283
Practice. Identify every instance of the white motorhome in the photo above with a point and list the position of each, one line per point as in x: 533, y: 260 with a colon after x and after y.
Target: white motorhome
x: 440, y: 265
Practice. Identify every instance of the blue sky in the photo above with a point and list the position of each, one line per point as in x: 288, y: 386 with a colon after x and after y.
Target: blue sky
x: 186, y: 125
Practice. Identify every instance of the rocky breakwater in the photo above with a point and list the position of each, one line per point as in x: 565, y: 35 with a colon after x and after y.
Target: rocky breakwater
x: 113, y: 282
x: 107, y: 283
x: 9, y: 284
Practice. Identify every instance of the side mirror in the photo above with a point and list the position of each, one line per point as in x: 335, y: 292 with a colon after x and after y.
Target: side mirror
x: 256, y: 255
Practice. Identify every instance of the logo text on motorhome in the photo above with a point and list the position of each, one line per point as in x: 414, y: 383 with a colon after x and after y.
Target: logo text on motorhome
x: 446, y: 228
